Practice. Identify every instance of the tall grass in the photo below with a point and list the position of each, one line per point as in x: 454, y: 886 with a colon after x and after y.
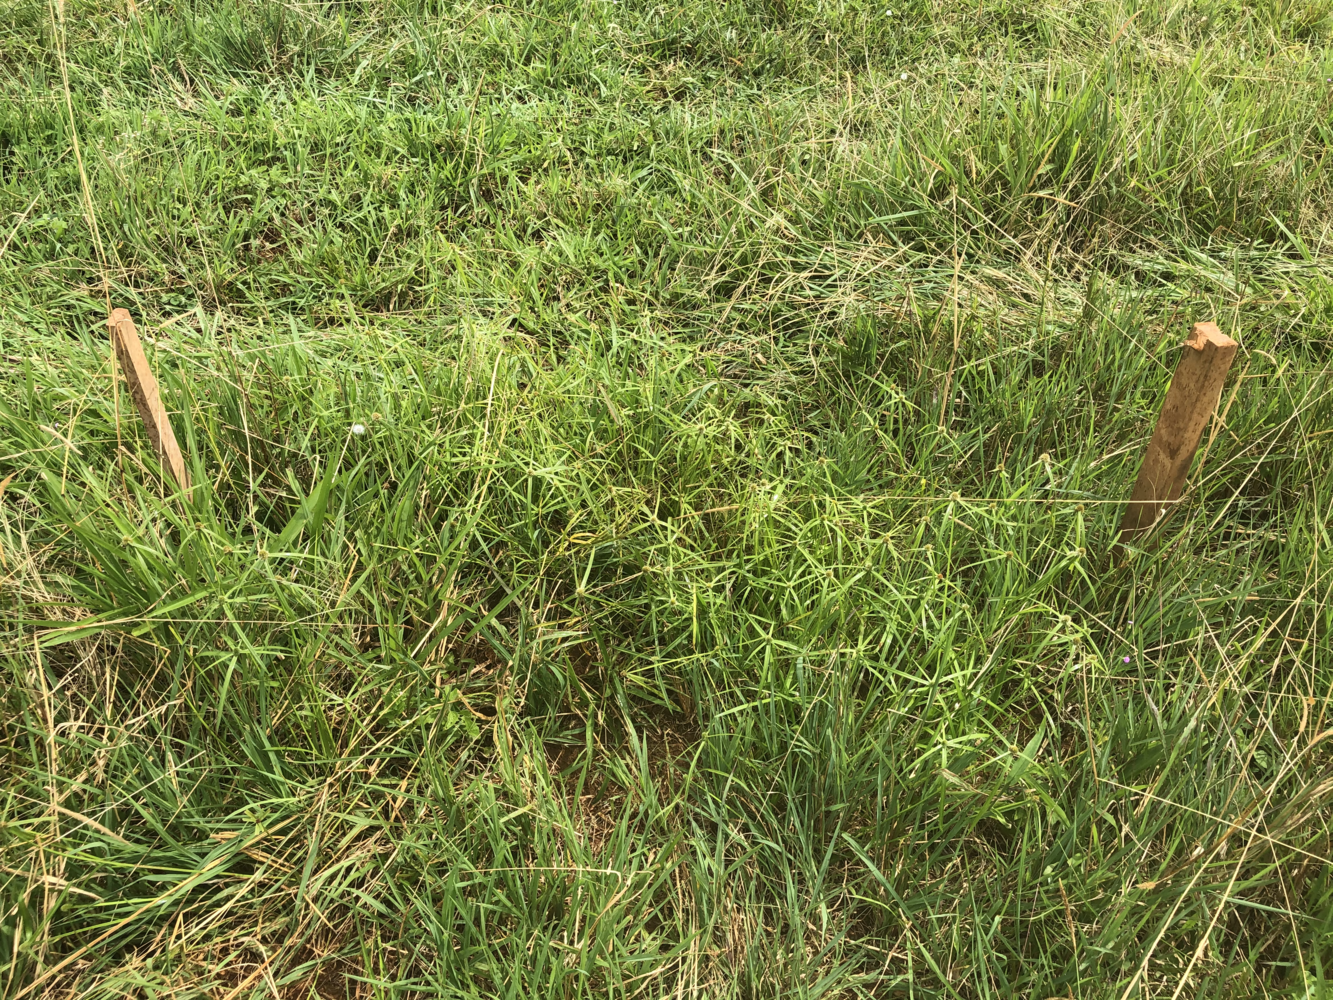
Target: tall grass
x: 717, y: 600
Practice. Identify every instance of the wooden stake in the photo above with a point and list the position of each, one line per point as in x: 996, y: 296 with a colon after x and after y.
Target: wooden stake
x: 143, y: 387
x: 1190, y: 401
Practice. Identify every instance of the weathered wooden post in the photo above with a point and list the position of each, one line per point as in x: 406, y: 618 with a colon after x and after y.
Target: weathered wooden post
x: 143, y: 387
x: 1195, y: 390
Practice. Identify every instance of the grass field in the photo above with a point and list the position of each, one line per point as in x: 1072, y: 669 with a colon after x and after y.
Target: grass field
x: 717, y: 600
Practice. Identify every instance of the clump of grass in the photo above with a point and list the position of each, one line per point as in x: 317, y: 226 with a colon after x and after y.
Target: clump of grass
x: 654, y: 472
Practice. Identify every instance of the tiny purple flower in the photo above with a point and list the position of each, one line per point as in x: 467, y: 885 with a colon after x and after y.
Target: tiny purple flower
x: 1126, y: 659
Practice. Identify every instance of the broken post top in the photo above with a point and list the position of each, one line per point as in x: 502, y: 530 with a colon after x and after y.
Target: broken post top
x: 119, y: 316
x: 1203, y: 334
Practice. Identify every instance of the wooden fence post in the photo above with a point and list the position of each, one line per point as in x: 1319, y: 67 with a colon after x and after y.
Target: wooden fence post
x: 1195, y: 390
x: 143, y: 387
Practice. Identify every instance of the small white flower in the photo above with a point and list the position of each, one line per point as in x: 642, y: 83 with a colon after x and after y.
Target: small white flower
x: 903, y: 77
x: 358, y: 429
x: 888, y: 13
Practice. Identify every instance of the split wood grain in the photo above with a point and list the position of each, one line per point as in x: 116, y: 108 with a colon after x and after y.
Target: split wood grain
x: 147, y: 399
x: 1195, y: 390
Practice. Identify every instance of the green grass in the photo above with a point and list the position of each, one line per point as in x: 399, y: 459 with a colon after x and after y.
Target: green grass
x: 719, y: 602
